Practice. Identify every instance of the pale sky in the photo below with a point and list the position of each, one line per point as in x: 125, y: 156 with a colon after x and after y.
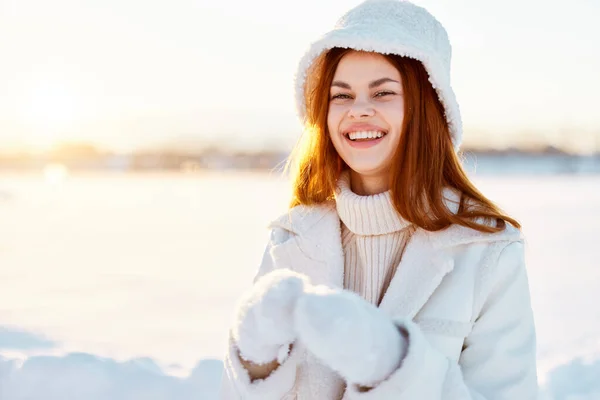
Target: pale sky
x: 127, y: 73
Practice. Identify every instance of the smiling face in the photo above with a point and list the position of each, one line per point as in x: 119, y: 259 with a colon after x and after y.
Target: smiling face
x: 365, y: 115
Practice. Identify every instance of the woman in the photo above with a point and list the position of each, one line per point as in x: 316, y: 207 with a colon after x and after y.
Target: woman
x: 391, y: 276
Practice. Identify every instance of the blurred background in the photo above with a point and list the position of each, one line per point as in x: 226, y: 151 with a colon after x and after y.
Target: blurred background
x: 140, y: 152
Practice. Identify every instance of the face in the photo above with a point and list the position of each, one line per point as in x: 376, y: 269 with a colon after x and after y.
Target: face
x: 366, y: 111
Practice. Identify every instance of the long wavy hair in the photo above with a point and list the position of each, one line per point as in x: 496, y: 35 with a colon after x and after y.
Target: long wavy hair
x: 424, y: 164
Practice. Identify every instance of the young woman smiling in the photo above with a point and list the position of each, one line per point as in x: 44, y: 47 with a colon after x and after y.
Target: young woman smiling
x: 391, y: 276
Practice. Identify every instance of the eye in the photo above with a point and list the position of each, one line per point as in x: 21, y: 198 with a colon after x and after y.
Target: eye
x: 383, y: 93
x: 340, y: 96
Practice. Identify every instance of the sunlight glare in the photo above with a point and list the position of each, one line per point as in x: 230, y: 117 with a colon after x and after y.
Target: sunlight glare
x: 55, y: 173
x: 51, y: 109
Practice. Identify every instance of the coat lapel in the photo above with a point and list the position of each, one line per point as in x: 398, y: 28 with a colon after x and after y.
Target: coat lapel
x: 315, y: 249
x: 426, y: 261
x: 419, y: 273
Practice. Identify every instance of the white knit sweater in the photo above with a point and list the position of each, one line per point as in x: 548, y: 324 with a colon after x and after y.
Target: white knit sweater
x: 374, y: 236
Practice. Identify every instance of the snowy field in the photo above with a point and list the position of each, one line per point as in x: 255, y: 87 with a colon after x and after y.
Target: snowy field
x: 122, y: 286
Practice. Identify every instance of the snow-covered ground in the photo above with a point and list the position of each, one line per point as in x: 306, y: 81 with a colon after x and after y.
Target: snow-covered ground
x: 122, y: 286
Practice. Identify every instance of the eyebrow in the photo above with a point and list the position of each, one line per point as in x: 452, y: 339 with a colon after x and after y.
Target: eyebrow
x: 373, y: 84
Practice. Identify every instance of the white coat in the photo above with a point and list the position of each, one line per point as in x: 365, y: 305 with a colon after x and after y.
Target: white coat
x: 463, y: 296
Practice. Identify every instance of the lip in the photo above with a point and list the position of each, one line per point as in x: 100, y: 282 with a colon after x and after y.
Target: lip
x: 363, y: 127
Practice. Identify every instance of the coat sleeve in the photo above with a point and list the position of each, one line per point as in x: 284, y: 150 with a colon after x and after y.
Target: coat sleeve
x: 498, y: 360
x: 235, y: 381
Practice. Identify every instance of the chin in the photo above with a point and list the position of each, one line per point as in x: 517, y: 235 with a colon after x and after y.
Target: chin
x: 366, y: 169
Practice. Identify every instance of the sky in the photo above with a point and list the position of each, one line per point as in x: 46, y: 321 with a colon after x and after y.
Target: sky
x: 131, y: 73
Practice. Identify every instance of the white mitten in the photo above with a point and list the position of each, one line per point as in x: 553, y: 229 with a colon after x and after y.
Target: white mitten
x: 350, y: 335
x: 264, y: 327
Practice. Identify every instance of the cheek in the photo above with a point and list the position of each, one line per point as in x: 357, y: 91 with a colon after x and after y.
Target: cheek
x: 333, y: 118
x: 394, y: 113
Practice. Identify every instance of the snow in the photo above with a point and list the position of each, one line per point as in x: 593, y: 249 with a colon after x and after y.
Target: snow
x: 122, y: 286
x: 85, y: 376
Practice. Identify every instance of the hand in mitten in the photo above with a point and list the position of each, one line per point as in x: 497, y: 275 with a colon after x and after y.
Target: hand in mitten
x: 350, y: 335
x: 264, y: 325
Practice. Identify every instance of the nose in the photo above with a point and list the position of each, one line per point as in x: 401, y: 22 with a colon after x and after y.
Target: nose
x: 360, y: 109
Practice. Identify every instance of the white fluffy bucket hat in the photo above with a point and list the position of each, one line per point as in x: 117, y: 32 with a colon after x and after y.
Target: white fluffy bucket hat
x: 391, y: 27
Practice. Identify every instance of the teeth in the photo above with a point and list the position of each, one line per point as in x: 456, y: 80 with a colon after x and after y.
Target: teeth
x: 365, y: 135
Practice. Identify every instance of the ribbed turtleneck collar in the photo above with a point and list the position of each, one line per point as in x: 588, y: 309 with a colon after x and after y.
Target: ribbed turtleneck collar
x: 366, y: 215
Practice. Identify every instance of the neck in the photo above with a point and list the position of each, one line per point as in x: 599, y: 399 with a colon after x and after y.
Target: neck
x: 367, y: 185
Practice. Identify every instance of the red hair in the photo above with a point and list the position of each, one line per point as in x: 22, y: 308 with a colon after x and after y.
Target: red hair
x: 424, y: 163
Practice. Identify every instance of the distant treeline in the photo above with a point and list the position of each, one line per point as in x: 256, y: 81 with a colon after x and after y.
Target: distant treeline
x: 86, y: 156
